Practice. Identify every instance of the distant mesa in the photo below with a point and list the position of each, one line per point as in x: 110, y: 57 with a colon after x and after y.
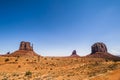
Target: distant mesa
x: 74, y: 54
x: 25, y: 49
x: 99, y: 50
x: 98, y: 47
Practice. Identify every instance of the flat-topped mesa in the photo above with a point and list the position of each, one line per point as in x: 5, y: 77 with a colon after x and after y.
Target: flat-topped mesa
x: 26, y: 46
x: 99, y: 50
x: 98, y: 47
x: 25, y: 49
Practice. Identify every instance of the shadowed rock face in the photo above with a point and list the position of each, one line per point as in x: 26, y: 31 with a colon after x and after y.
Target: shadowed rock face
x: 25, y: 46
x: 74, y: 54
x: 98, y: 47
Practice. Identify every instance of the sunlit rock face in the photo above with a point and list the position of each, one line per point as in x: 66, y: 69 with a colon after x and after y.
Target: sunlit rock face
x: 98, y: 47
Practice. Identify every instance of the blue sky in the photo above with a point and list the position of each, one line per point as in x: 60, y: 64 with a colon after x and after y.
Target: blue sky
x: 56, y: 27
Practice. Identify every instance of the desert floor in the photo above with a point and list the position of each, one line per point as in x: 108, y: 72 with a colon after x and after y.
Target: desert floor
x: 58, y: 68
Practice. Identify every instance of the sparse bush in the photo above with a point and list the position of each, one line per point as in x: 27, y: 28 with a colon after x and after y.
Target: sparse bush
x: 112, y: 67
x: 45, y: 58
x: 19, y: 66
x: 50, y: 68
x: 15, y: 74
x: 5, y: 79
x: 27, y: 59
x: 58, y: 59
x: 51, y: 58
x: 34, y: 60
x: 28, y: 73
x: 16, y: 60
x: 18, y: 57
x: 6, y: 60
x: 35, y: 68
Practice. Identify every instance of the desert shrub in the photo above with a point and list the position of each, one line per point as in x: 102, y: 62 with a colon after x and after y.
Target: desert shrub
x: 58, y: 59
x: 35, y: 68
x: 16, y: 60
x: 5, y: 79
x: 35, y: 60
x: 51, y: 58
x: 28, y: 73
x: 18, y: 56
x: 6, y: 60
x: 45, y: 58
x: 52, y: 64
x: 15, y: 74
x: 92, y: 74
x: 27, y: 59
x: 107, y: 60
x: 19, y: 66
x: 112, y: 67
x: 50, y: 68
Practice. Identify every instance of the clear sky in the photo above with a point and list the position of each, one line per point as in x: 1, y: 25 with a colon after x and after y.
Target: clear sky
x: 57, y: 27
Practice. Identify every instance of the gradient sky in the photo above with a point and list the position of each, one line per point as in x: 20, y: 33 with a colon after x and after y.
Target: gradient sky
x: 57, y: 27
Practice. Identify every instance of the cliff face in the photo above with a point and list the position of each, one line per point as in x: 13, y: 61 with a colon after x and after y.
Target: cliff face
x: 25, y: 46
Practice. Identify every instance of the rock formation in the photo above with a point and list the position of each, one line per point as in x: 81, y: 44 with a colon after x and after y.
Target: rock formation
x: 98, y: 47
x: 99, y: 50
x: 25, y: 46
x: 74, y: 54
x: 25, y: 49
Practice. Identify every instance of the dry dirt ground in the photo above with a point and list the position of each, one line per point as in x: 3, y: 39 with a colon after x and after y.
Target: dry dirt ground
x: 58, y: 68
